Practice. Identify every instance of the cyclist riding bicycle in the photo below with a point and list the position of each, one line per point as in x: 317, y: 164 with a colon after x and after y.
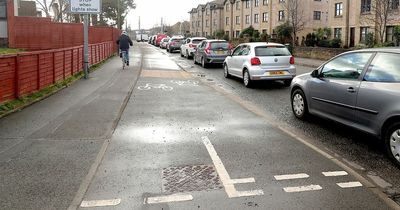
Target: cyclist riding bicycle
x: 124, y: 42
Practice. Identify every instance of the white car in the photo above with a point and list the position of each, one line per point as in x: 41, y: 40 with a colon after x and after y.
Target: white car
x: 260, y: 61
x: 189, y: 46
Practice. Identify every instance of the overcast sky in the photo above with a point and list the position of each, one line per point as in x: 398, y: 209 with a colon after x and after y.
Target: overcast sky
x: 151, y: 12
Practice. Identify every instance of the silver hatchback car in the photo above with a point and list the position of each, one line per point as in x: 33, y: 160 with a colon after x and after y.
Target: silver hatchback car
x: 360, y: 89
x: 260, y: 61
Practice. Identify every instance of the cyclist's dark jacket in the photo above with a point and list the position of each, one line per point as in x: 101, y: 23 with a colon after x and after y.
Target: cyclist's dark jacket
x: 124, y: 42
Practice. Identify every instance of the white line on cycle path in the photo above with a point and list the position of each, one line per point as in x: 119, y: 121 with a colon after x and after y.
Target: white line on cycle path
x: 100, y: 203
x: 168, y: 198
x: 291, y: 176
x: 224, y: 176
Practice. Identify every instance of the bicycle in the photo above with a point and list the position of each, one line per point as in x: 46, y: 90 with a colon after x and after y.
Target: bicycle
x: 124, y: 58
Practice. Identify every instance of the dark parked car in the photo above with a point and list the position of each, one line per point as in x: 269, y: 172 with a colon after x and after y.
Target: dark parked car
x: 211, y: 52
x: 175, y: 43
x: 360, y: 89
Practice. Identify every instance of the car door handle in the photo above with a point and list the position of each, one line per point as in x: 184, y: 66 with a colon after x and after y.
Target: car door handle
x: 351, y: 90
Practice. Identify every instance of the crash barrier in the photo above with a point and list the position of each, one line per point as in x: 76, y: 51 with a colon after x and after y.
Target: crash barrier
x: 28, y: 72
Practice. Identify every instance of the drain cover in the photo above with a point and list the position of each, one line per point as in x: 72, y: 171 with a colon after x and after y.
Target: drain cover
x: 190, y: 178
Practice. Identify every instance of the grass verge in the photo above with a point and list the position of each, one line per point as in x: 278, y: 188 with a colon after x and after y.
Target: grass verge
x: 5, y: 51
x: 27, y: 100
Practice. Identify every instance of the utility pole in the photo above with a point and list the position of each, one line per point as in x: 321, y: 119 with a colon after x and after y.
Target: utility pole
x: 162, y: 26
x: 140, y: 31
x: 119, y: 26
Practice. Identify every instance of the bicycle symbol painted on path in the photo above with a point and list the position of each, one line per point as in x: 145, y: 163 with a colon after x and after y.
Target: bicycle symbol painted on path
x: 150, y: 86
x: 186, y: 83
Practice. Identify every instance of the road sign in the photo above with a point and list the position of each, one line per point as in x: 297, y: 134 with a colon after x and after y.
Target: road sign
x: 85, y: 6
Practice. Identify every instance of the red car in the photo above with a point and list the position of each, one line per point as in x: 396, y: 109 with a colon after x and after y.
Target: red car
x: 159, y: 38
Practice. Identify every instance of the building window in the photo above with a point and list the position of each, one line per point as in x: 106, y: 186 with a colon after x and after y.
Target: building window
x: 265, y: 17
x: 237, y: 34
x: 227, y: 21
x: 394, y: 4
x: 247, y: 19
x: 256, y: 3
x: 3, y: 10
x: 281, y: 1
x: 206, y: 11
x: 237, y: 20
x: 247, y: 3
x: 237, y: 5
x: 339, y: 9
x: 264, y: 31
x: 215, y: 22
x: 337, y: 32
x: 256, y: 18
x: 363, y: 34
x: 317, y: 15
x: 227, y: 7
x: 265, y: 2
x: 206, y: 23
x: 281, y: 15
x: 365, y: 6
x: 389, y: 33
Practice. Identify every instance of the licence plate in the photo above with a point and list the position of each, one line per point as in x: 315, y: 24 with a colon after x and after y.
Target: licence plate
x: 220, y: 52
x: 274, y: 73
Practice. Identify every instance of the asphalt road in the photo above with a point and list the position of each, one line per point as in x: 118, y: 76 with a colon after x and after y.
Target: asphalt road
x: 363, y: 152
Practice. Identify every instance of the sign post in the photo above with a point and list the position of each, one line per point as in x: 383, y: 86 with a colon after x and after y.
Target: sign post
x: 85, y: 7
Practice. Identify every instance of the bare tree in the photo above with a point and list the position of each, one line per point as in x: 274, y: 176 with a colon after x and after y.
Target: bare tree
x: 295, y: 16
x: 380, y: 16
x: 45, y: 6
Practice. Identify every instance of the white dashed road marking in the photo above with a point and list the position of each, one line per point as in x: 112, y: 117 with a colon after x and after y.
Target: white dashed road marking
x: 335, y: 173
x: 100, y: 203
x: 224, y: 176
x: 349, y: 184
x: 302, y: 188
x: 291, y: 176
x: 242, y: 181
x: 168, y: 198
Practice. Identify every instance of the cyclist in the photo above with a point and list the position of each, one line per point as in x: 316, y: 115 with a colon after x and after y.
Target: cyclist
x: 124, y: 42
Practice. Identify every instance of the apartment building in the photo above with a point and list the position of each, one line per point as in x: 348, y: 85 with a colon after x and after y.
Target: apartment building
x: 207, y: 19
x: 266, y: 15
x: 352, y: 20
x: 196, y: 20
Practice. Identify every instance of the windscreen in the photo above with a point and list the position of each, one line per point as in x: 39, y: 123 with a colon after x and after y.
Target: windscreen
x: 177, y: 40
x: 196, y: 41
x: 272, y: 51
x: 220, y: 45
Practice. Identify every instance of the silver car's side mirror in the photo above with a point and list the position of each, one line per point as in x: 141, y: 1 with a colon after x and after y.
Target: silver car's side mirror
x: 315, y: 73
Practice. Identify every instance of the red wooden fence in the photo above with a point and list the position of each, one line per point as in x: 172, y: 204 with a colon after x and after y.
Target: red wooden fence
x: 27, y: 72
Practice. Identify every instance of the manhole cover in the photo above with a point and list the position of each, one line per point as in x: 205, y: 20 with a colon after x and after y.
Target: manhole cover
x: 190, y: 178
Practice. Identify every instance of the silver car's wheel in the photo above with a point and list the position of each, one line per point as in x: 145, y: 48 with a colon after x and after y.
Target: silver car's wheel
x: 246, y: 79
x: 226, y: 71
x: 203, y: 63
x: 299, y: 104
x: 393, y: 142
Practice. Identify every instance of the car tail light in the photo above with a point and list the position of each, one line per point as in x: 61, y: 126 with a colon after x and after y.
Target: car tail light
x: 292, y: 60
x: 255, y: 61
x: 208, y: 48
